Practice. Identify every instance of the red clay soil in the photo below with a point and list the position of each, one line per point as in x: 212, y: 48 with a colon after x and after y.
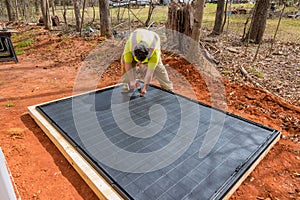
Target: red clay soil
x: 47, y: 72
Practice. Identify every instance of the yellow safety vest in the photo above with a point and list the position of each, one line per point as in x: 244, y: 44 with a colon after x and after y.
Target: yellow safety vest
x: 150, y: 38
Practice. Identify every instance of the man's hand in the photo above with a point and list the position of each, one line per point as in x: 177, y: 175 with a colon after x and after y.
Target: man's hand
x: 143, y: 92
x: 137, y: 84
x: 132, y: 85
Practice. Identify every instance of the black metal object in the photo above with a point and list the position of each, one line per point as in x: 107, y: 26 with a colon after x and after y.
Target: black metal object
x: 7, y: 52
x: 239, y: 144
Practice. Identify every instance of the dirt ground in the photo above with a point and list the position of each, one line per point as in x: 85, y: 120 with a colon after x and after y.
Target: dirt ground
x: 47, y: 72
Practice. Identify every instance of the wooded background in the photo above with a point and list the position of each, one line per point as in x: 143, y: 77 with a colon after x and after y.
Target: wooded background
x: 185, y: 18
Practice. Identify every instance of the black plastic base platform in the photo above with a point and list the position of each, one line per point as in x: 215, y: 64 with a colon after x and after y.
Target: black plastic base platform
x: 197, y: 152
x: 7, y: 52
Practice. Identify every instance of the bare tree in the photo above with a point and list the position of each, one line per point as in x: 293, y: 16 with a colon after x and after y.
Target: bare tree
x: 43, y: 8
x: 82, y: 18
x: 53, y: 7
x: 10, y: 12
x: 217, y: 30
x: 225, y: 15
x: 65, y: 12
x: 46, y: 14
x: 36, y: 6
x: 198, y: 16
x: 258, y: 24
x: 150, y: 11
x: 180, y: 23
x: 77, y: 14
x: 105, y: 22
x: 17, y: 9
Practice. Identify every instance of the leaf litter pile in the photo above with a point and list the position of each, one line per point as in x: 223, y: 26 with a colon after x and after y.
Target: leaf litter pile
x: 277, y: 72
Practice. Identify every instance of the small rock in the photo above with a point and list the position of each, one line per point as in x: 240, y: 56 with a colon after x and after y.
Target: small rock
x: 297, y: 174
x: 252, y: 179
x: 283, y: 137
x: 273, y: 116
x: 57, y: 173
x: 233, y: 50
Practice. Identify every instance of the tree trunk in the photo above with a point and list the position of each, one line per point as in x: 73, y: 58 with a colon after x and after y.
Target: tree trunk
x: 225, y: 15
x: 179, y: 25
x: 94, y: 12
x: 11, y: 16
x: 37, y: 8
x: 48, y: 18
x: 17, y: 9
x: 43, y: 8
x: 65, y: 12
x: 46, y: 14
x: 53, y: 7
x: 199, y: 10
x: 82, y: 19
x: 150, y: 11
x: 23, y: 9
x: 77, y: 14
x: 258, y: 24
x: 105, y: 22
x: 217, y: 30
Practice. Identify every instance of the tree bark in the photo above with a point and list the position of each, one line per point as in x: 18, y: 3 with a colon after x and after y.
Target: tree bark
x: 37, y: 8
x: 150, y: 11
x: 225, y: 15
x: 53, y: 8
x: 105, y: 22
x: 217, y: 30
x: 82, y: 19
x: 180, y: 22
x: 77, y: 14
x: 43, y: 8
x: 11, y: 16
x: 258, y: 24
x: 46, y: 14
x: 48, y: 18
x: 199, y: 10
x: 17, y: 9
x: 65, y: 12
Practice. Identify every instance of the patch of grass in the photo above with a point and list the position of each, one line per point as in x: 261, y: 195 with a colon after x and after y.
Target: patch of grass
x: 50, y: 47
x: 53, y: 80
x: 25, y: 43
x: 226, y: 72
x: 1, y: 83
x: 10, y: 104
x: 19, y: 52
x: 256, y: 72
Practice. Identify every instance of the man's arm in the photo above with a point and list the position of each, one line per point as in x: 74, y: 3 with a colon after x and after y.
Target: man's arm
x: 147, y: 80
x: 150, y: 71
x: 129, y: 72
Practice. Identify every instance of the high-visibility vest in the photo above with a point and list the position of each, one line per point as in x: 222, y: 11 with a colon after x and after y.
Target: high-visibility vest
x: 149, y: 37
